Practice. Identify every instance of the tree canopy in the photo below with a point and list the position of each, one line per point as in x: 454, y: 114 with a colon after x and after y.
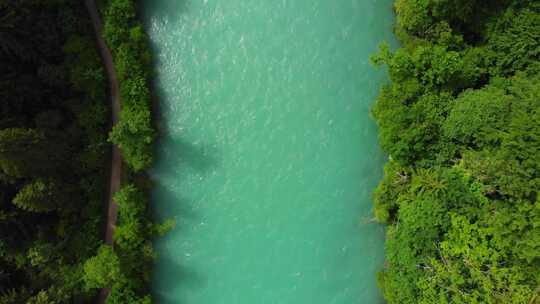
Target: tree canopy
x: 53, y: 148
x: 460, y: 121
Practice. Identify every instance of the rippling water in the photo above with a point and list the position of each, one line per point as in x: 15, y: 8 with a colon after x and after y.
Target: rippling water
x: 268, y: 156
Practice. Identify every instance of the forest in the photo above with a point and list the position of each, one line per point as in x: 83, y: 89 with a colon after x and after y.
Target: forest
x: 55, y: 155
x: 460, y: 121
x: 53, y: 147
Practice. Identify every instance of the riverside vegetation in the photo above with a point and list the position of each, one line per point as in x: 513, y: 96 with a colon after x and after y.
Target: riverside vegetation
x: 126, y: 269
x: 461, y: 122
x: 53, y: 147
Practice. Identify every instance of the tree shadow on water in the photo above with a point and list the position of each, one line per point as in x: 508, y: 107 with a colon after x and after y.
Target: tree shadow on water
x: 165, y: 12
x: 170, y: 9
x: 201, y: 158
x: 177, y: 206
x: 176, y: 156
x: 173, y: 276
x: 174, y: 279
x: 178, y: 160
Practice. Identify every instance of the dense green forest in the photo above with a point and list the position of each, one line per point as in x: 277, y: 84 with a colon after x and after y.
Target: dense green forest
x: 54, y: 155
x: 53, y: 151
x: 461, y: 123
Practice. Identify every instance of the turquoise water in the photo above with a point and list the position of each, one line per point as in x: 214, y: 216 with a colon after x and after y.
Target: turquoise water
x: 268, y: 156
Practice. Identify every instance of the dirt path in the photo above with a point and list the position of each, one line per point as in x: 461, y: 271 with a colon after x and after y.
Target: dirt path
x: 116, y: 159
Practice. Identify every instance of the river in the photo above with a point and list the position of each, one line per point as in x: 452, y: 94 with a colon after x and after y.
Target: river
x: 268, y: 156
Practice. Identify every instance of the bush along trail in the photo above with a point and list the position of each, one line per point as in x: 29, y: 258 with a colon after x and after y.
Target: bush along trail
x: 461, y: 122
x: 121, y: 268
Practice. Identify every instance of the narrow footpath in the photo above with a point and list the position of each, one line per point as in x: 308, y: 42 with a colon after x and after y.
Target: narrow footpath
x: 116, y: 159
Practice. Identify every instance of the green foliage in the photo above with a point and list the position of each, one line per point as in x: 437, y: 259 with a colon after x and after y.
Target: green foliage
x: 119, y: 14
x: 52, y: 150
x: 511, y: 164
x: 422, y: 17
x: 20, y: 149
x: 85, y: 70
x: 39, y: 196
x: 514, y: 41
x: 477, y: 117
x: 133, y: 140
x: 53, y: 144
x: 101, y: 270
x: 130, y: 231
x: 125, y: 36
x: 132, y: 239
x: 462, y: 125
x: 473, y: 268
x: 134, y: 135
x: 395, y: 181
x: 123, y: 292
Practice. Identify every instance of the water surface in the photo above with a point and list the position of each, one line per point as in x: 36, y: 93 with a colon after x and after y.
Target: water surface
x: 268, y: 156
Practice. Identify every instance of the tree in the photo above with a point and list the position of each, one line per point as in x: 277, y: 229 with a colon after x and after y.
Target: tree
x: 478, y: 117
x: 39, y: 196
x: 129, y: 233
x: 20, y: 151
x: 514, y: 41
x: 461, y: 121
x: 102, y: 270
x: 53, y: 95
x: 134, y: 139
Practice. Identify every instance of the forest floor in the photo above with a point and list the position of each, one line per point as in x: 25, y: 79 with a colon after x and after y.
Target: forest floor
x: 116, y: 158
